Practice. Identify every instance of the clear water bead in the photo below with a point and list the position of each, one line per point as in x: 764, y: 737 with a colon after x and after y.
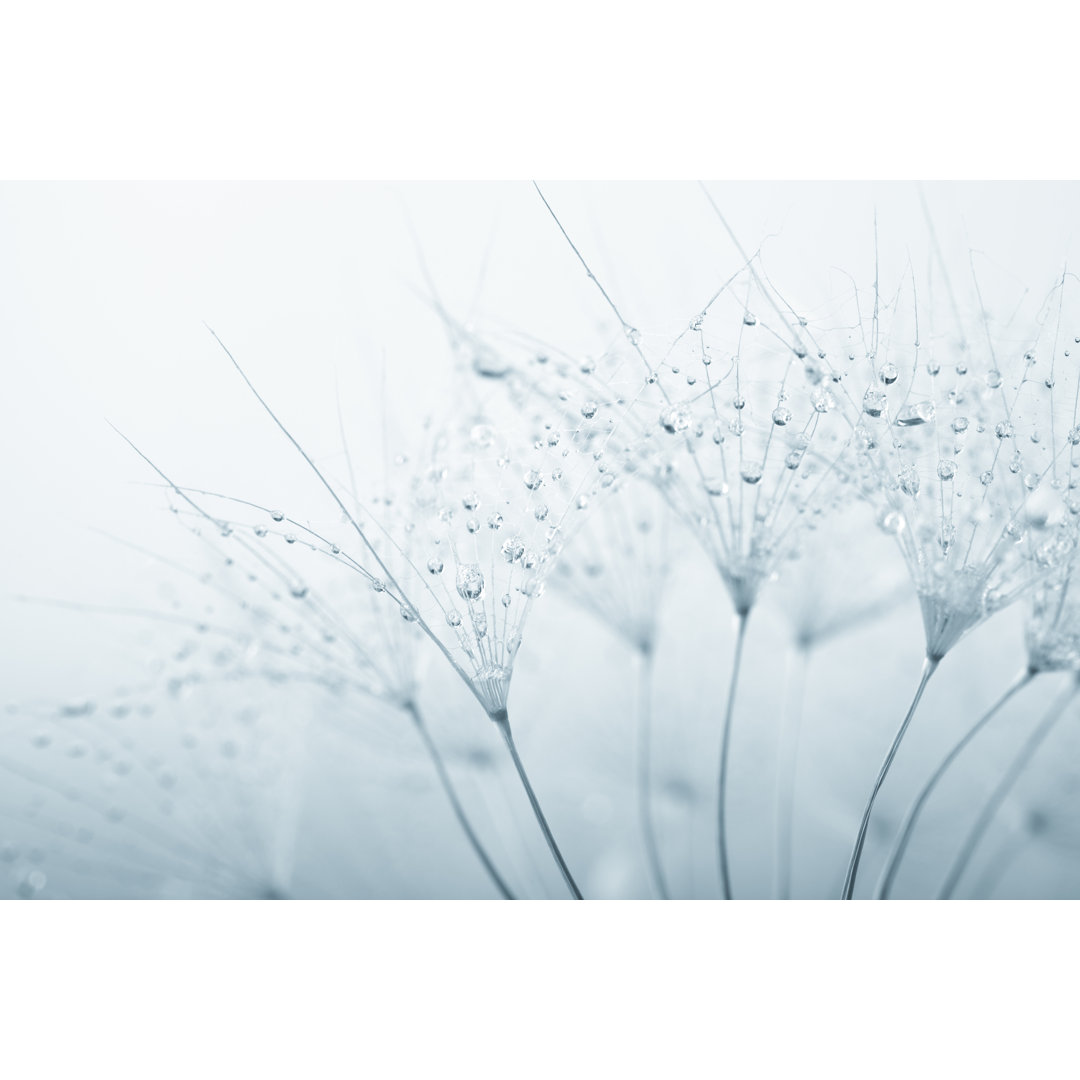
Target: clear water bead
x: 922, y: 412
x: 674, y: 420
x: 960, y: 425
x: 751, y: 472
x: 908, y: 479
x: 435, y: 565
x: 588, y: 410
x: 470, y: 581
x: 874, y: 402
x: 946, y: 470
x: 513, y: 548
x: 888, y: 374
x: 533, y: 479
x: 781, y: 416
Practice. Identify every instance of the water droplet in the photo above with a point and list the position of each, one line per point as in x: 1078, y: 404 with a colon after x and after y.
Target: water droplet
x: 986, y: 478
x: 277, y: 515
x: 888, y: 374
x: 513, y: 548
x: 533, y: 479
x: 495, y: 521
x: 922, y: 412
x: 470, y: 581
x: 435, y: 565
x: 453, y: 618
x: 541, y: 512
x: 891, y: 522
x: 749, y: 320
x: 993, y: 378
x: 471, y: 501
x: 1003, y: 429
x: 472, y: 525
x: 960, y: 425
x: 781, y: 416
x: 507, y: 600
x: 822, y: 401
x: 674, y: 420
x: 874, y: 402
x: 946, y: 470
x: 908, y: 479
x: 717, y: 486
x: 290, y: 538
x: 751, y: 472
x: 588, y: 410
x: 260, y: 530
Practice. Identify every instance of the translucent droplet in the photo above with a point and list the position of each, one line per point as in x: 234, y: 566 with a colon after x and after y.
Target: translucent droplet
x: 986, y: 478
x: 495, y: 521
x: 453, y: 618
x: 470, y: 581
x: 260, y: 530
x: 960, y: 425
x: 946, y: 470
x: 472, y: 525
x: 540, y: 513
x: 749, y: 320
x: 533, y: 479
x: 435, y: 565
x: 822, y: 401
x: 993, y: 378
x: 922, y: 412
x: 717, y: 486
x: 674, y: 420
x: 507, y: 600
x: 908, y: 479
x: 289, y: 538
x: 781, y: 416
x: 874, y: 402
x: 471, y: 501
x: 588, y: 410
x: 751, y: 472
x: 277, y: 515
x: 891, y: 522
x: 513, y: 548
x: 1003, y: 429
x: 888, y: 374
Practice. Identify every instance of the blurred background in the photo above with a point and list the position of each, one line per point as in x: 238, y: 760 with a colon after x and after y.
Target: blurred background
x: 145, y: 751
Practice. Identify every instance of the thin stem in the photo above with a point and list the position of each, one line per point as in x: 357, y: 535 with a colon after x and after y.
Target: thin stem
x: 907, y: 826
x: 929, y: 667
x: 502, y: 722
x: 644, y: 771
x: 1001, y: 792
x: 455, y: 802
x: 785, y: 773
x: 725, y: 746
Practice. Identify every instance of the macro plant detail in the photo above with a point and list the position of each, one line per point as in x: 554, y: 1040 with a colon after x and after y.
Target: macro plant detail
x: 605, y: 573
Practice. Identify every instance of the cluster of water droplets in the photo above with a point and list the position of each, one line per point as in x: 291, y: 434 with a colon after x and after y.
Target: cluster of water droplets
x: 962, y: 446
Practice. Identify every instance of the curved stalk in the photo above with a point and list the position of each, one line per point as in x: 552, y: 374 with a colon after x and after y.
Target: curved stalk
x: 644, y: 772
x: 1001, y: 792
x: 929, y: 667
x: 455, y: 802
x: 911, y: 818
x: 725, y: 746
x: 502, y: 722
x: 785, y: 773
